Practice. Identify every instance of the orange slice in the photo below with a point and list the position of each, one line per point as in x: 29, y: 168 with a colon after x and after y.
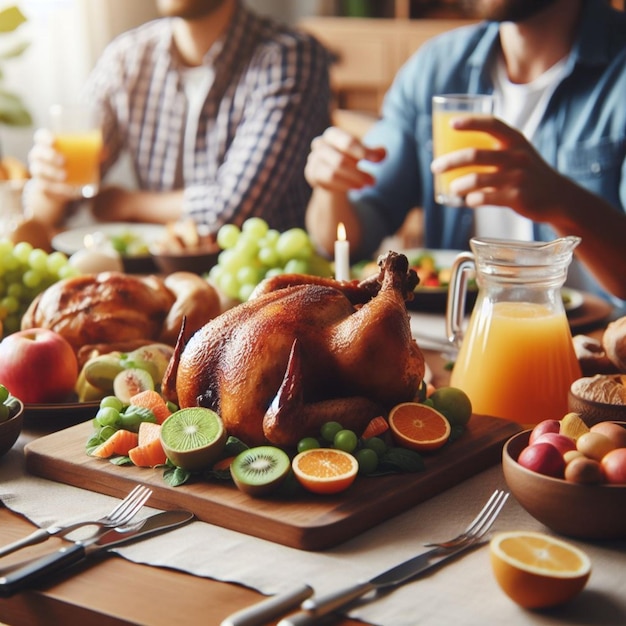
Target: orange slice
x: 536, y: 570
x: 325, y: 470
x: 418, y: 426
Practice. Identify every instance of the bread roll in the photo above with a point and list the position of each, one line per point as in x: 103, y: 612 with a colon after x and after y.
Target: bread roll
x: 614, y: 343
x: 591, y: 356
x: 196, y: 300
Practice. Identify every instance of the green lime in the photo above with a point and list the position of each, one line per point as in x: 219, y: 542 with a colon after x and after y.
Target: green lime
x: 193, y: 438
x: 454, y: 403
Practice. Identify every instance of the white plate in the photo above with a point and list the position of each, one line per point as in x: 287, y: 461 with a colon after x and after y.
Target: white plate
x: 71, y: 241
x: 572, y: 299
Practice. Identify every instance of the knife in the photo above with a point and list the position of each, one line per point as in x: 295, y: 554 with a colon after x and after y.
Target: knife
x: 81, y: 550
x: 264, y: 611
x: 313, y: 608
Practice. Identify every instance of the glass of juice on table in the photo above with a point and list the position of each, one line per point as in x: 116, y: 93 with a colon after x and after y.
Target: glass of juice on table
x: 78, y: 137
x: 446, y: 139
x: 516, y: 358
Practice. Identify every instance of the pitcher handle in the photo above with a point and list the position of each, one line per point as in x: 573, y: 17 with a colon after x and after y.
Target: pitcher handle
x: 455, y: 307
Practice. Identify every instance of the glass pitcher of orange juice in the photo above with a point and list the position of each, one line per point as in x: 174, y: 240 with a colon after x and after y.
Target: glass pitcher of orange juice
x: 516, y: 359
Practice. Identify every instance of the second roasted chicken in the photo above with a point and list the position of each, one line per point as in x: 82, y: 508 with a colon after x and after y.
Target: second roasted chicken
x: 303, y: 352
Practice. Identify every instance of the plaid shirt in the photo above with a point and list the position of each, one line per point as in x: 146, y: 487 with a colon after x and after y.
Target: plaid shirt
x: 269, y: 96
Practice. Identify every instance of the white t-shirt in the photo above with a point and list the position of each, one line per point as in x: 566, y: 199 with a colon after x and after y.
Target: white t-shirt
x: 197, y: 81
x: 521, y: 106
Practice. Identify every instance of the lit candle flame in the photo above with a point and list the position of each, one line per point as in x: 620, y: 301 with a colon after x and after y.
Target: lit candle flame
x: 341, y: 232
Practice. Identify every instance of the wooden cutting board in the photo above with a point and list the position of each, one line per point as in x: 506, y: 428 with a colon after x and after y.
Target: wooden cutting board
x: 306, y: 521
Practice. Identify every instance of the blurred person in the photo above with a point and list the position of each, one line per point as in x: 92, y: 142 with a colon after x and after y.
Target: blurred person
x: 557, y: 69
x: 216, y: 108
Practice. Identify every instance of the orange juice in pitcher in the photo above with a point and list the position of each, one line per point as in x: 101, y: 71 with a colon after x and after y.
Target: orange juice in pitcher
x: 516, y: 360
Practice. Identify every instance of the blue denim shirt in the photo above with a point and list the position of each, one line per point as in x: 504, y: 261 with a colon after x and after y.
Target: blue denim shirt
x: 582, y: 133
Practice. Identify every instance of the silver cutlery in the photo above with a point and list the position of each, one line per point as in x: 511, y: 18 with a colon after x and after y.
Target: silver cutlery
x: 314, y: 608
x: 104, y: 540
x: 119, y: 516
x: 264, y: 611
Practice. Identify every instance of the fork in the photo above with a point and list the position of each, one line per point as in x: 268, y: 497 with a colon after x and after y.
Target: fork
x: 399, y: 574
x: 314, y: 608
x: 484, y: 519
x: 119, y: 516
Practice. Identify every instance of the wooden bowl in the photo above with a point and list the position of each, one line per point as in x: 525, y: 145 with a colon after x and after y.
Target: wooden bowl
x: 580, y: 511
x: 10, y: 429
x: 593, y: 412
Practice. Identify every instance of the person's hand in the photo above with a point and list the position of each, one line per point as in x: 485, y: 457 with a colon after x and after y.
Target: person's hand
x: 46, y: 167
x: 333, y: 161
x: 520, y: 179
x: 113, y: 204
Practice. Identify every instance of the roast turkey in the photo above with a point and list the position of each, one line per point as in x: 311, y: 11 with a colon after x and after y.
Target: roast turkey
x: 301, y: 352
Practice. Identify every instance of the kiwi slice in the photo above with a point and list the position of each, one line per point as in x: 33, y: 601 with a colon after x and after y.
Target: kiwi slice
x: 193, y: 438
x: 259, y: 471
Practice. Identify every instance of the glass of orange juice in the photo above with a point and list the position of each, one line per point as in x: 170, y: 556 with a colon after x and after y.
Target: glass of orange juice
x: 78, y: 137
x: 447, y: 139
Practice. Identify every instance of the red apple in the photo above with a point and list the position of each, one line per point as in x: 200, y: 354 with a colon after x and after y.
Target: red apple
x: 614, y: 466
x: 546, y: 426
x: 543, y: 458
x: 38, y: 366
x: 562, y: 443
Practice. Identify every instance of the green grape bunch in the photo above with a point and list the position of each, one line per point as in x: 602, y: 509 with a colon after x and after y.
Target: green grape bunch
x: 24, y: 273
x: 255, y: 252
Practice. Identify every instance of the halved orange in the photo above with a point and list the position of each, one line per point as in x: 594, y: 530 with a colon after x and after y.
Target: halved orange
x: 325, y: 470
x: 418, y: 426
x: 536, y: 570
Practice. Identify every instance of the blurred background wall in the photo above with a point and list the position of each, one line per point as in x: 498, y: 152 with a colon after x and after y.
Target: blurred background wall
x: 66, y: 37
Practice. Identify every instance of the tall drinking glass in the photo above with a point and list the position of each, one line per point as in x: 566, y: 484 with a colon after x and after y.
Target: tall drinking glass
x: 447, y: 139
x: 78, y: 137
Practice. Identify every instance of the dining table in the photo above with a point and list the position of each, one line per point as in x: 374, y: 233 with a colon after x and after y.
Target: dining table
x: 201, y: 573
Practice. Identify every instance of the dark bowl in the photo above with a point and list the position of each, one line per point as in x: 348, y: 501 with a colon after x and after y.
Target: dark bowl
x: 580, y: 511
x: 139, y: 264
x: 10, y: 429
x: 198, y: 262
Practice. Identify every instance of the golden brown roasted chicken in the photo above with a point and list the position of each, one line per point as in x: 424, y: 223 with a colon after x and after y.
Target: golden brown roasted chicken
x: 297, y: 355
x: 112, y: 307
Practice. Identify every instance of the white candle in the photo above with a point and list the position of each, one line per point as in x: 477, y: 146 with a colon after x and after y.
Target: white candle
x: 342, y: 254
